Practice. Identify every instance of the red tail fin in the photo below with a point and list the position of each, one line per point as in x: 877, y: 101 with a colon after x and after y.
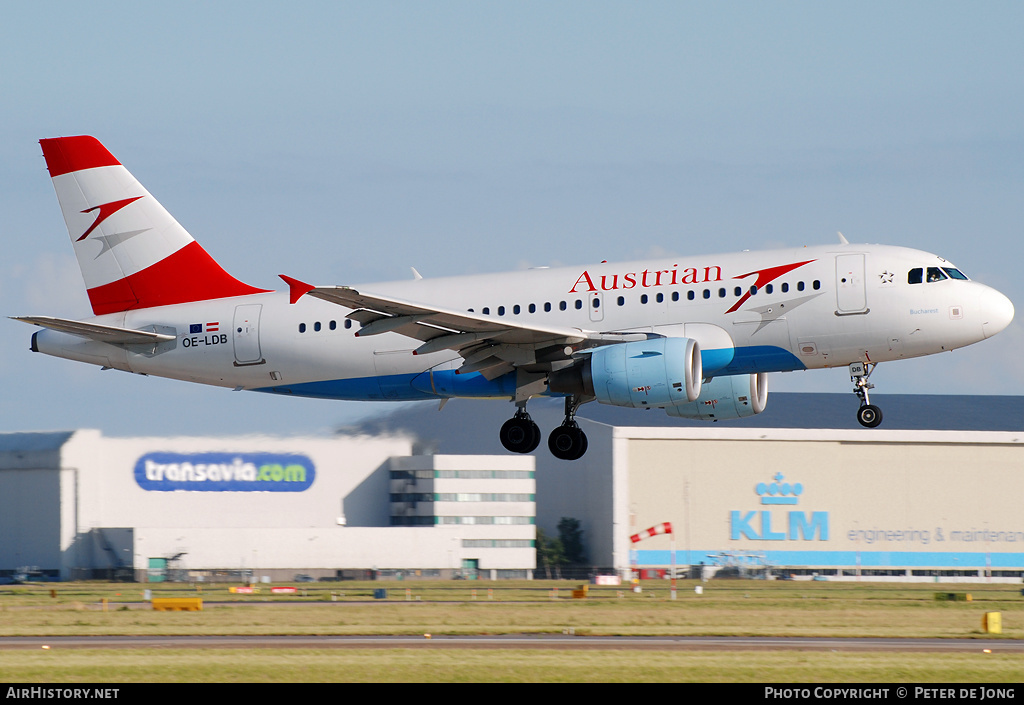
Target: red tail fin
x: 132, y: 252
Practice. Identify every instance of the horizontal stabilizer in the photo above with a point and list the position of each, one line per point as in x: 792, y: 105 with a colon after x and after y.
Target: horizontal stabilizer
x: 93, y: 331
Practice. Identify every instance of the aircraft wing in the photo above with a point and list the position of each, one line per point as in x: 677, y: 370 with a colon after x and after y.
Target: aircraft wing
x: 485, y: 342
x: 97, y: 332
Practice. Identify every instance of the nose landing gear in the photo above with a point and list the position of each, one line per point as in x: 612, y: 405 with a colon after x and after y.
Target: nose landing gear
x: 868, y: 415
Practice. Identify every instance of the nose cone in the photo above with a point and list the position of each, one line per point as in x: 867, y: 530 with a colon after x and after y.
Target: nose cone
x: 998, y: 313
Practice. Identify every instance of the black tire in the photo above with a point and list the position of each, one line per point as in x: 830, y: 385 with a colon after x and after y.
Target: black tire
x: 869, y: 416
x: 519, y: 435
x: 536, y: 438
x: 567, y: 443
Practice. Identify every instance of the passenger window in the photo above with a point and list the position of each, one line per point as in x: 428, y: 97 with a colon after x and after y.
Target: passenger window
x: 817, y: 284
x: 707, y: 293
x: 915, y: 276
x: 561, y: 306
x: 501, y: 310
x: 738, y: 291
x: 333, y: 325
x: 785, y: 287
x: 935, y: 274
x: 316, y: 326
x: 302, y: 327
x: 622, y: 301
x: 579, y: 304
x: 753, y: 290
x: 643, y: 298
x: 675, y: 295
x: 768, y: 288
x: 660, y: 298
x: 690, y: 296
x: 516, y: 309
x: 547, y: 307
x: 799, y: 286
x: 721, y: 293
x: 597, y: 303
x: 533, y: 308
x: 348, y: 323
x: 486, y: 310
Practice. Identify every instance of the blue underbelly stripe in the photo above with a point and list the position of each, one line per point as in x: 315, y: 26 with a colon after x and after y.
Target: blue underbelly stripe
x: 445, y: 383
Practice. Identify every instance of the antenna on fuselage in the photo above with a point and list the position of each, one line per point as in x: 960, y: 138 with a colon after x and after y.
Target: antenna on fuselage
x: 842, y: 238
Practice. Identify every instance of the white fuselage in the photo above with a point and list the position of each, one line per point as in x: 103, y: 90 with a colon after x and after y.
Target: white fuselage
x: 812, y: 307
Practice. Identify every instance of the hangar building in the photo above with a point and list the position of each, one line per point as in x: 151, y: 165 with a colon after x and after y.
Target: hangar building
x: 850, y: 503
x: 433, y: 494
x: 80, y: 505
x: 800, y: 489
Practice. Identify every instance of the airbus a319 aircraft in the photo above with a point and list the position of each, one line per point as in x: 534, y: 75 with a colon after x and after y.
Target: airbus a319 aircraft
x: 694, y: 336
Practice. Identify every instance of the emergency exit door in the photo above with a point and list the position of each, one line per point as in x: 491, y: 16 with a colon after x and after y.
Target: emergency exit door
x: 246, y: 335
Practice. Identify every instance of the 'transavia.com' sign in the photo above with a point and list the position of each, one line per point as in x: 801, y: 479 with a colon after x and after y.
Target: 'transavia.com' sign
x: 224, y: 472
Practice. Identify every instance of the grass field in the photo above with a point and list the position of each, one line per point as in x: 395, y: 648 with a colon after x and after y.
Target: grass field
x: 740, y: 608
x: 507, y: 666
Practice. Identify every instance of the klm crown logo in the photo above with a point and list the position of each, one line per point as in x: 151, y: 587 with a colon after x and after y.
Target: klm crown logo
x: 779, y: 492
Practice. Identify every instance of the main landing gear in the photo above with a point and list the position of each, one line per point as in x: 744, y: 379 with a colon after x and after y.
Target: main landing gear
x: 520, y: 434
x: 868, y: 415
x: 567, y: 442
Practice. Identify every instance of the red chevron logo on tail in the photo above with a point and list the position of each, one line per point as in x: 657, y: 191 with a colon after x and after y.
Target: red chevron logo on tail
x: 105, y: 211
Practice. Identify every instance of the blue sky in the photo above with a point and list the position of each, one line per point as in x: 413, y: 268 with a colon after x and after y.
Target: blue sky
x: 344, y: 142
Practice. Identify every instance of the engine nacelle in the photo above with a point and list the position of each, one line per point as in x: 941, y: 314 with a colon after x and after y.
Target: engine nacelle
x: 642, y: 374
x: 732, y: 397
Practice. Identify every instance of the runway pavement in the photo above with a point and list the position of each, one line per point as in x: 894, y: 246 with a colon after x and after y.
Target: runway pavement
x: 563, y: 642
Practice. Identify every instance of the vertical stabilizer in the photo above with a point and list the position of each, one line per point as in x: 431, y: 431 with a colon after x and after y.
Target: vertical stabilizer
x: 132, y: 252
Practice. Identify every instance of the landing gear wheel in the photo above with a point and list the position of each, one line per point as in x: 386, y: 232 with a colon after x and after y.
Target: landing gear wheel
x: 568, y: 442
x: 869, y: 416
x: 536, y: 438
x: 520, y: 434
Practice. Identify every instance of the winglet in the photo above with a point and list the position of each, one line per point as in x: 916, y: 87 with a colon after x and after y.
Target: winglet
x: 296, y: 288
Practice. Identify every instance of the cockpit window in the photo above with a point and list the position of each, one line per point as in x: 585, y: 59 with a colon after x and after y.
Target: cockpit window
x: 934, y: 274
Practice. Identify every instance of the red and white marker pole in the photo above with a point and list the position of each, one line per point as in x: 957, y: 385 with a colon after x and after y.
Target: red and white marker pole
x: 662, y: 528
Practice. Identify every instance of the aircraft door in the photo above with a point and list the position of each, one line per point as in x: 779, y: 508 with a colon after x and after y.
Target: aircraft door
x: 246, y: 335
x: 851, y: 296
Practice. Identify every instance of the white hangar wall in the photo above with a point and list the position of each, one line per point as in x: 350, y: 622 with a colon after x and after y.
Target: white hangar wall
x: 110, y: 492
x: 846, y: 502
